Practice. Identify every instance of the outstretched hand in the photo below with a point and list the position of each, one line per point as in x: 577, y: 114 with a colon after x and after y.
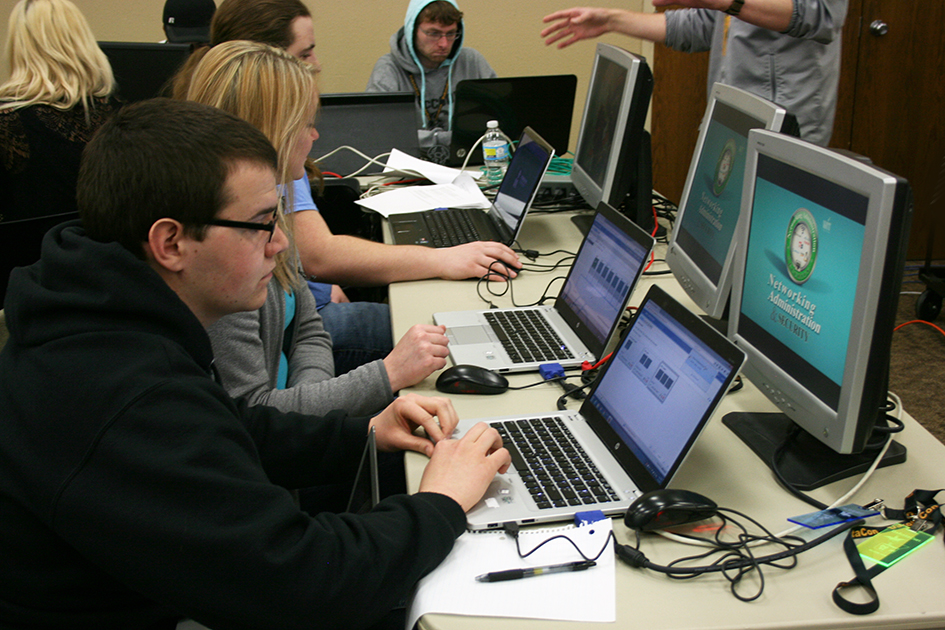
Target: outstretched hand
x: 575, y: 24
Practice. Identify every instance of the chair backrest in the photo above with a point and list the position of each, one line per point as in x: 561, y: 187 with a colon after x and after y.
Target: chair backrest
x: 20, y: 243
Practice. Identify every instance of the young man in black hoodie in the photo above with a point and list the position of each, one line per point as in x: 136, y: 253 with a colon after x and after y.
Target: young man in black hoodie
x: 134, y: 492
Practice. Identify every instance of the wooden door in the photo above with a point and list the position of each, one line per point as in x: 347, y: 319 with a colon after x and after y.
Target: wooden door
x: 678, y: 104
x: 898, y: 110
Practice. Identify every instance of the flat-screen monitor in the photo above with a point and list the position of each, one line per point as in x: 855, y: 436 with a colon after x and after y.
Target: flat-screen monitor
x: 543, y: 102
x: 612, y: 160
x: 813, y: 303
x: 372, y: 123
x: 143, y: 70
x: 702, y: 245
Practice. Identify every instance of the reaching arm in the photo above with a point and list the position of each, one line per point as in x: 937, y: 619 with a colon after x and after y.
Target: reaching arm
x: 346, y: 259
x: 588, y: 22
x: 771, y: 14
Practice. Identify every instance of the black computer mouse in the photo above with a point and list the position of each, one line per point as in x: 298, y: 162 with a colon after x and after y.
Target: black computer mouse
x: 471, y: 379
x: 659, y: 509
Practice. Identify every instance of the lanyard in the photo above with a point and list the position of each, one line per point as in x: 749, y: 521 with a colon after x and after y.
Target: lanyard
x: 920, y: 512
x: 431, y: 117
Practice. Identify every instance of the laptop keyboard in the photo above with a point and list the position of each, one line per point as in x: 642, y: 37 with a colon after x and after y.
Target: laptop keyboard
x: 554, y: 467
x: 451, y: 226
x: 527, y: 337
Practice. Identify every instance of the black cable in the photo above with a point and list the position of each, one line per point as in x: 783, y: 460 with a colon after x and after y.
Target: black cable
x: 507, y: 285
x: 563, y: 402
x: 541, y: 382
x: 513, y: 529
x: 737, y: 557
x: 877, y: 445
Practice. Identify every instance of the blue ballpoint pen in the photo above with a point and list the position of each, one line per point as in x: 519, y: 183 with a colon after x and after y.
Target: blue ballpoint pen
x: 517, y: 574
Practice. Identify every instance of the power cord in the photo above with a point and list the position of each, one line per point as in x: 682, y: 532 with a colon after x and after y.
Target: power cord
x: 888, y: 431
x: 506, y: 286
x: 736, y: 560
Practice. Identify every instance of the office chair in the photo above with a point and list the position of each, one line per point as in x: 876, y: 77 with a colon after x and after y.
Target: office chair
x: 20, y: 243
x: 343, y: 216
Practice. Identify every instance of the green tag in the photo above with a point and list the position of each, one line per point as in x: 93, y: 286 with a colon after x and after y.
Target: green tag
x: 892, y: 544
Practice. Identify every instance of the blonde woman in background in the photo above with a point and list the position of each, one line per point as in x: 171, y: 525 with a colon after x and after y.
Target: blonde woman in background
x: 59, y: 93
x: 281, y: 355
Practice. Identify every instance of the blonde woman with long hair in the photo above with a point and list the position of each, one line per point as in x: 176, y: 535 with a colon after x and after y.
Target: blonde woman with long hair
x: 278, y: 94
x: 59, y: 92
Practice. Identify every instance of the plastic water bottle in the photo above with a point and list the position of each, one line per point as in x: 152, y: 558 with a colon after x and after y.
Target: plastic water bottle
x: 495, y: 152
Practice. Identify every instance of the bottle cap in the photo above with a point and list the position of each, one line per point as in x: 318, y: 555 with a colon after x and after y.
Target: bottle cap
x: 492, y: 124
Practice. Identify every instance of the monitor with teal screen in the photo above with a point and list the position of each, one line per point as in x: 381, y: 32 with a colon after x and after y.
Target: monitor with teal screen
x: 824, y: 236
x: 702, y: 245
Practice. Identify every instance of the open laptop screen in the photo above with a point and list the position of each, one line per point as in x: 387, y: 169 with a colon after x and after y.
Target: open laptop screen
x: 520, y: 182
x: 608, y: 264
x: 662, y: 372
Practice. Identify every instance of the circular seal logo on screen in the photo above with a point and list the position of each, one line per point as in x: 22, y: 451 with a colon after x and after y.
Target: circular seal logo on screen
x: 800, y: 245
x: 723, y: 168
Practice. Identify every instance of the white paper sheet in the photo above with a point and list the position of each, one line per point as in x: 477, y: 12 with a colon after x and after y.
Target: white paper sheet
x: 579, y: 596
x: 461, y: 193
x: 436, y: 173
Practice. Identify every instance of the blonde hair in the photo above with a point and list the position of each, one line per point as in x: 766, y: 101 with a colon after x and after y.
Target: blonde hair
x: 273, y: 91
x: 54, y: 59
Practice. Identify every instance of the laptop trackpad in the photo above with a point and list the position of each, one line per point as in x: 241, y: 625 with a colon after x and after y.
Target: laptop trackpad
x: 471, y: 334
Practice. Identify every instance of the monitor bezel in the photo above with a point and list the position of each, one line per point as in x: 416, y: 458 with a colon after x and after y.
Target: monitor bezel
x: 628, y: 134
x: 863, y: 389
x: 711, y: 296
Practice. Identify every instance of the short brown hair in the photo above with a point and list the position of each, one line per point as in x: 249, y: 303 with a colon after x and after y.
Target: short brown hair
x: 265, y: 21
x: 163, y: 159
x: 441, y: 12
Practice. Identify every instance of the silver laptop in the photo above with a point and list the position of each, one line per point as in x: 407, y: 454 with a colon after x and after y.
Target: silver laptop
x: 635, y: 428
x: 584, y: 316
x: 446, y: 227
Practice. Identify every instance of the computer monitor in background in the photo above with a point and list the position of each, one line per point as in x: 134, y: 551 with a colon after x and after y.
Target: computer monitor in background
x: 143, y: 70
x: 814, y: 303
x: 702, y: 246
x: 370, y: 122
x: 543, y: 102
x: 612, y: 160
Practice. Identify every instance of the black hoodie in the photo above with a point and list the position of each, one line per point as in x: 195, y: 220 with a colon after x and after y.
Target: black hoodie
x: 134, y: 492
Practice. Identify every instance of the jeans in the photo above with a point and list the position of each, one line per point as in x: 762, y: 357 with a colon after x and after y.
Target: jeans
x: 360, y: 332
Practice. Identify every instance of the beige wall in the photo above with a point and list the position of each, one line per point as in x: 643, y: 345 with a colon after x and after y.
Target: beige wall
x: 351, y: 34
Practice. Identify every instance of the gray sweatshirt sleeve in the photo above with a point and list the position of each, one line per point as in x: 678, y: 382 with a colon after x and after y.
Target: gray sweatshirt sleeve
x: 247, y: 347
x: 690, y: 30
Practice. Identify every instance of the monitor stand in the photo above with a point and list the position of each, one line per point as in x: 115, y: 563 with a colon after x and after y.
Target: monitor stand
x: 807, y: 463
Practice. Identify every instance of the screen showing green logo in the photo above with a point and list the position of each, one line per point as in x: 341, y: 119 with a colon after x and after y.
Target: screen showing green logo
x: 800, y: 245
x: 723, y: 168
